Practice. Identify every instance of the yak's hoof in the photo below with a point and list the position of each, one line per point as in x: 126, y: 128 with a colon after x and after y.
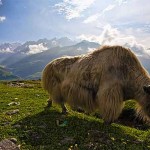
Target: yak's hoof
x: 49, y: 104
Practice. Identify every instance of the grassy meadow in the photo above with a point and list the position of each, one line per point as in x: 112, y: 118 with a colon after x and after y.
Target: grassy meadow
x: 23, y: 116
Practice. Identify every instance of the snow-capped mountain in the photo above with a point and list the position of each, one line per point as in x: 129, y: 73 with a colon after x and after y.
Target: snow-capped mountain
x: 12, y: 53
x: 35, y: 63
x: 8, y: 47
x: 28, y: 60
x: 7, y: 50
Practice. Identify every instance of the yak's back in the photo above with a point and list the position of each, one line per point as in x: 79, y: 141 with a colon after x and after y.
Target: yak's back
x: 116, y: 56
x: 106, y: 62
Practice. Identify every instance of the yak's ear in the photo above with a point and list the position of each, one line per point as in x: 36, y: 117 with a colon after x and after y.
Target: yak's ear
x: 146, y: 89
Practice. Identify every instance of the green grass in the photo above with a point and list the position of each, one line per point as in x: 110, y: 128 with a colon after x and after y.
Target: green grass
x: 36, y: 129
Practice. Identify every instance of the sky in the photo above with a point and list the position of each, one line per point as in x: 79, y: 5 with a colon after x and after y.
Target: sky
x: 105, y: 21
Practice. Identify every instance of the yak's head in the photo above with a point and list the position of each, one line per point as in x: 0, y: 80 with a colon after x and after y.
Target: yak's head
x: 144, y: 108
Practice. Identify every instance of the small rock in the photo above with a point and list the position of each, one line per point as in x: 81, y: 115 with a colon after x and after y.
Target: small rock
x: 16, y: 111
x: 7, y: 144
x: 14, y: 140
x: 14, y: 103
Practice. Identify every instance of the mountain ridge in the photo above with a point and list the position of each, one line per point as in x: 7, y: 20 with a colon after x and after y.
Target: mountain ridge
x: 29, y: 59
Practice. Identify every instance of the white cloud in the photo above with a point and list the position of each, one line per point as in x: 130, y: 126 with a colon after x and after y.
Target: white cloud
x: 33, y: 49
x: 121, y: 1
x: 2, y: 18
x: 108, y: 8
x: 148, y: 51
x: 112, y: 36
x: 89, y: 37
x: 108, y: 35
x: 73, y: 8
x: 91, y: 18
x: 131, y: 17
x: 134, y: 11
x: 96, y: 16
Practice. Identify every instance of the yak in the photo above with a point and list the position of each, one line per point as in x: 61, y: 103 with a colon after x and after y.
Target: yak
x: 100, y: 81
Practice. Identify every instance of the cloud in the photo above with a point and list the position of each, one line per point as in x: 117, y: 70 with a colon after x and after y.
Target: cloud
x: 132, y: 23
x: 89, y: 37
x: 112, y: 36
x: 107, y: 36
x: 73, y: 8
x: 102, y: 15
x: 95, y: 17
x: 108, y: 8
x: 2, y: 18
x: 91, y: 18
x: 138, y: 12
x: 121, y: 1
x: 33, y: 49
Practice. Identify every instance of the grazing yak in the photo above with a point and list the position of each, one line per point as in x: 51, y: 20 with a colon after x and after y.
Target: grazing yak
x: 99, y: 81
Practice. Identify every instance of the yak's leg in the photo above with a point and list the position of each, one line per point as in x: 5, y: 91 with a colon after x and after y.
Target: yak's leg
x: 49, y: 103
x: 64, y: 109
x: 111, y: 103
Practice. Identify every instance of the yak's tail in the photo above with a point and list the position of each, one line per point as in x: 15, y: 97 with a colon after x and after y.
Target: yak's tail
x: 46, y: 77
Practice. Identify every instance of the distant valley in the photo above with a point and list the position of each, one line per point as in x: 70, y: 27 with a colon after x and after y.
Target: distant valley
x: 26, y: 61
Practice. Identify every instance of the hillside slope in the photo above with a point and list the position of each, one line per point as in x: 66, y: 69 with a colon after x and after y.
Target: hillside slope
x: 5, y: 74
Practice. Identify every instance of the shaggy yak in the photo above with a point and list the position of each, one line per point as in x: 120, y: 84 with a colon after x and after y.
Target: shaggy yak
x: 100, y: 81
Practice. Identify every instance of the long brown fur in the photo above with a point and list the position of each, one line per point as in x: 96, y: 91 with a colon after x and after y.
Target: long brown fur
x: 54, y: 74
x: 99, y: 81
